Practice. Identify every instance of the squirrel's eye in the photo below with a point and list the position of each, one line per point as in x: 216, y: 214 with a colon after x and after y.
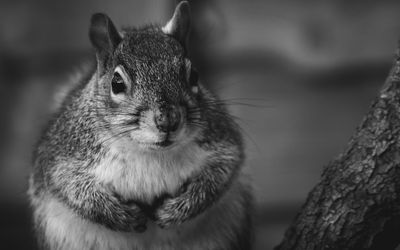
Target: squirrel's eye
x: 193, y: 79
x: 117, y: 84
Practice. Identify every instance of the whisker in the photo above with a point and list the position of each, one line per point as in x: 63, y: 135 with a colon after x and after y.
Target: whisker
x: 113, y: 138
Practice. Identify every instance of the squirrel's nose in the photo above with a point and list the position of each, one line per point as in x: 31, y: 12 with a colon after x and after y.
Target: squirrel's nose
x: 167, y: 119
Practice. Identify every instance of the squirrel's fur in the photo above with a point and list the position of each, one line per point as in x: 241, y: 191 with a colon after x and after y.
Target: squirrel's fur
x: 100, y: 178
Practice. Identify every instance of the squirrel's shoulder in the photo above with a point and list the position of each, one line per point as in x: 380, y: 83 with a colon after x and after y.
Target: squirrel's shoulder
x: 220, y: 125
x: 59, y: 127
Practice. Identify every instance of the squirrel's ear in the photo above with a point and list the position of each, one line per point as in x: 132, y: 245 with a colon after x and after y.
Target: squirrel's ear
x: 104, y: 37
x: 179, y: 25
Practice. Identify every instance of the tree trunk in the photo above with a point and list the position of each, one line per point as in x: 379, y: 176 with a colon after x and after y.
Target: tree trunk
x: 356, y: 205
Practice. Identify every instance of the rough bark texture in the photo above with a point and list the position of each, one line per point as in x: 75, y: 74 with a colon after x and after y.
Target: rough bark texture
x: 356, y: 205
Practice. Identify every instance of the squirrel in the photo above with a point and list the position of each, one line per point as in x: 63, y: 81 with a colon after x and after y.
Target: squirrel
x: 140, y: 155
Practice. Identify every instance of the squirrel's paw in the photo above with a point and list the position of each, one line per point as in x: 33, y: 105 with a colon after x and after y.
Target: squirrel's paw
x: 173, y: 211
x: 138, y: 219
x: 127, y: 217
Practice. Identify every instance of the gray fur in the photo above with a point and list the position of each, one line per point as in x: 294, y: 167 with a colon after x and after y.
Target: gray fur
x: 75, y: 142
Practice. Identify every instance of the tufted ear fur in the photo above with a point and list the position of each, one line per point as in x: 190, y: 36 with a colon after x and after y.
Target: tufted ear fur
x: 104, y: 37
x: 179, y: 25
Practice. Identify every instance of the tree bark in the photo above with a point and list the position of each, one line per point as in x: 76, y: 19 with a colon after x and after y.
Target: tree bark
x: 356, y: 204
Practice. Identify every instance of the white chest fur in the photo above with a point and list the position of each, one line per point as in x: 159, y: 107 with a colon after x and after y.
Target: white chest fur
x: 214, y: 229
x: 144, y: 175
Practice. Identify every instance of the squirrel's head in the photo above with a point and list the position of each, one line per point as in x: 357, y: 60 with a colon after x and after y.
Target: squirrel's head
x: 146, y: 85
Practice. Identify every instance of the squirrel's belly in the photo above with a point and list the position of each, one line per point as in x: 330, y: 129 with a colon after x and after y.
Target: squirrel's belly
x: 146, y: 175
x: 214, y: 229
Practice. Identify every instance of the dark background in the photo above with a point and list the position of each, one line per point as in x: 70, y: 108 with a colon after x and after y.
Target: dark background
x: 299, y: 75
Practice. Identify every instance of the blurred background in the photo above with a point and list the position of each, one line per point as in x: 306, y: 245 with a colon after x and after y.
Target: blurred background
x: 299, y: 75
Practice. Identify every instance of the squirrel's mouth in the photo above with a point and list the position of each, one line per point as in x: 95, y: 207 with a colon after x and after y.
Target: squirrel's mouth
x: 160, y: 145
x: 155, y: 140
x: 164, y: 143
